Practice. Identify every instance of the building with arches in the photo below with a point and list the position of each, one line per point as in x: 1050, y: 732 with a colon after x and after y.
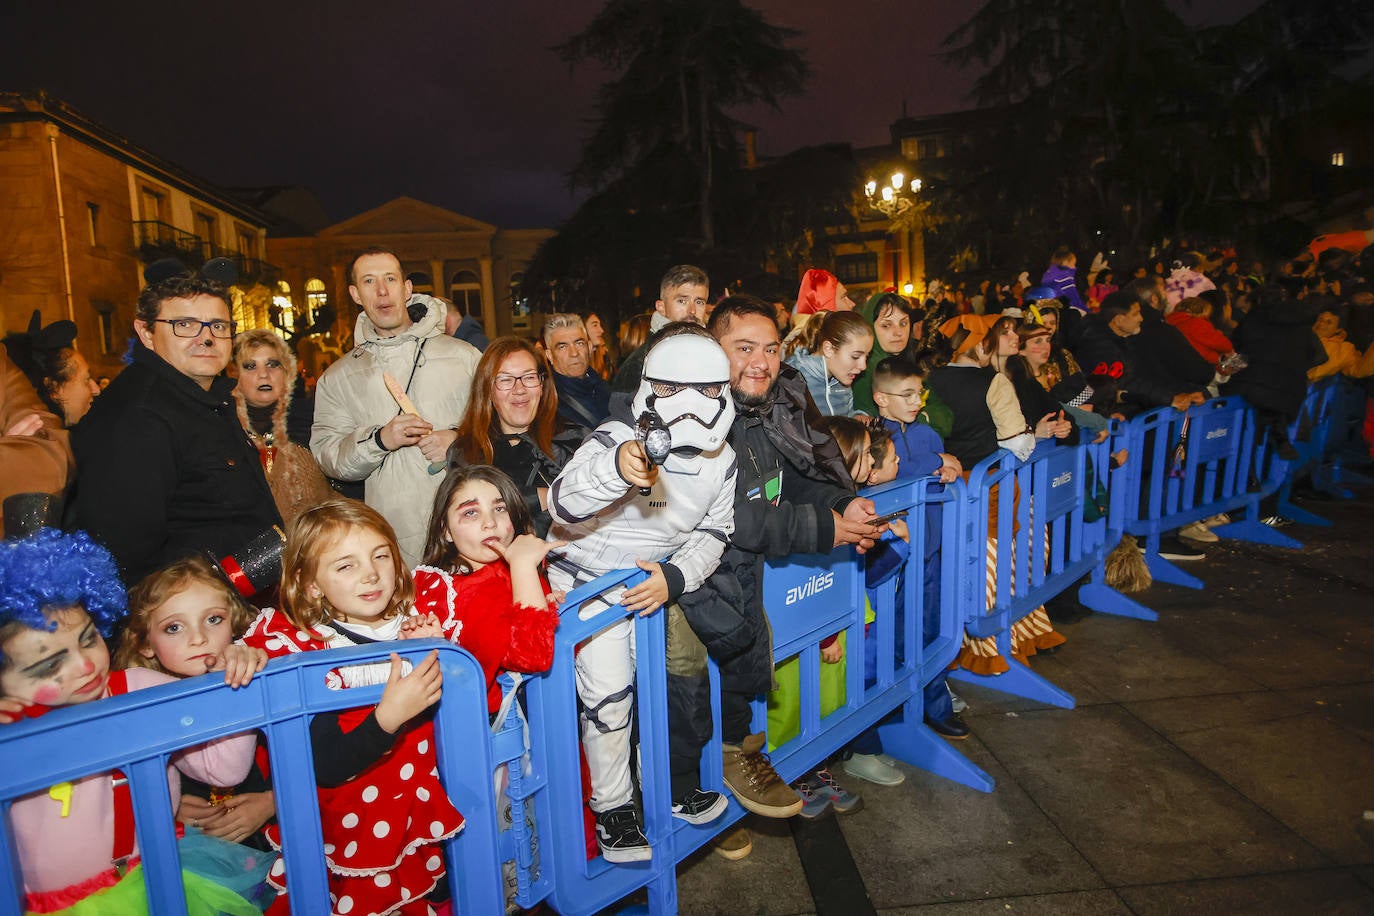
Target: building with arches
x: 475, y: 264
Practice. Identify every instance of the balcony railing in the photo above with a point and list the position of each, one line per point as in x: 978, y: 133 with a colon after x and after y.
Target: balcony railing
x: 154, y: 240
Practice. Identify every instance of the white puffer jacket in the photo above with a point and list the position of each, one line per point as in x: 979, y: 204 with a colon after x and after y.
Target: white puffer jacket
x: 352, y: 403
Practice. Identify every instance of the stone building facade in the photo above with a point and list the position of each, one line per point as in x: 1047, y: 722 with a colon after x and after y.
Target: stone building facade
x: 83, y: 210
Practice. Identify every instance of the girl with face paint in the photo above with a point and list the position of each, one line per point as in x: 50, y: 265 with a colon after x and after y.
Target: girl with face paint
x: 59, y: 595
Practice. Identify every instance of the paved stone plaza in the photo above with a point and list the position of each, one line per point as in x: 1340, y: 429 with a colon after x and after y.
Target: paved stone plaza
x: 1219, y: 761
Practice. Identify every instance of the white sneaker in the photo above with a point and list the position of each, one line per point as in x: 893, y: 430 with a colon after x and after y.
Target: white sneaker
x: 956, y: 701
x: 1197, y: 531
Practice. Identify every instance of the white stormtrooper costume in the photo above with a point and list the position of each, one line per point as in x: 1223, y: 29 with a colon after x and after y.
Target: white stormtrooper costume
x: 683, y: 523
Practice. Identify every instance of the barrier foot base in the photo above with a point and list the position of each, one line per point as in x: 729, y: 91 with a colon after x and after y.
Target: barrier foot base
x: 1250, y: 530
x: 1164, y: 571
x: 922, y: 748
x: 1343, y: 475
x: 1329, y: 485
x: 1301, y: 516
x: 1019, y: 680
x: 1106, y: 600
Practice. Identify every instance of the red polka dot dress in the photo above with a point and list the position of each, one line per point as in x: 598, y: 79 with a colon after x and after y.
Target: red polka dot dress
x: 383, y: 829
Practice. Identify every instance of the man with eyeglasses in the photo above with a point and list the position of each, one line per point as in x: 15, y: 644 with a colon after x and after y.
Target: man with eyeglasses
x: 163, y: 466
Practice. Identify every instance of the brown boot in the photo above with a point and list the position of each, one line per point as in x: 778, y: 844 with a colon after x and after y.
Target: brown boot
x: 754, y: 782
x: 734, y: 845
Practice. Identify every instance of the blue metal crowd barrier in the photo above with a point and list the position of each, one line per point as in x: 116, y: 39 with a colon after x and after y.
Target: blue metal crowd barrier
x: 1046, y: 542
x: 1224, y: 465
x: 799, y: 625
x: 807, y: 598
x: 1327, y: 426
x: 139, y: 731
x: 1030, y: 516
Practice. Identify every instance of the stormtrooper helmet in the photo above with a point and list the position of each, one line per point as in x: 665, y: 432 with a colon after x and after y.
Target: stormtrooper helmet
x: 686, y: 383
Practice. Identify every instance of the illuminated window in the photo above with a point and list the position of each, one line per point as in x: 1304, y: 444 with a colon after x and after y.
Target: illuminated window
x: 93, y: 216
x: 281, y: 304
x: 911, y: 148
x: 241, y: 314
x: 1338, y: 159
x: 315, y: 297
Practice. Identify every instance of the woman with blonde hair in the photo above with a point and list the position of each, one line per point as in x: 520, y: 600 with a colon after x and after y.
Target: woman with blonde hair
x: 267, y: 373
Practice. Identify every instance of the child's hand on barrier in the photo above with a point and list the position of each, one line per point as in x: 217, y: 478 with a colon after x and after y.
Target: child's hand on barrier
x: 649, y: 595
x: 404, y: 698
x: 634, y: 465
x: 899, y: 528
x: 946, y: 474
x: 239, y: 664
x: 243, y: 816
x: 1101, y: 436
x: 417, y: 626
x: 10, y: 710
x: 407, y: 695
x: 949, y: 461
x: 833, y: 654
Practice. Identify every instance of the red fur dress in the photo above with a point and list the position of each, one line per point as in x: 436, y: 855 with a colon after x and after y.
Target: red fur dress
x: 383, y: 828
x: 478, y: 613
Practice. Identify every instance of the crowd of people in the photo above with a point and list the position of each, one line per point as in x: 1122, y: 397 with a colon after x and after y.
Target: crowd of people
x: 440, y: 484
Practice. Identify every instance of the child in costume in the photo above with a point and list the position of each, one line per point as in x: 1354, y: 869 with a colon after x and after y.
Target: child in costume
x: 617, y: 509
x: 481, y: 581
x: 481, y: 577
x: 59, y: 593
x: 182, y: 621
x: 383, y: 811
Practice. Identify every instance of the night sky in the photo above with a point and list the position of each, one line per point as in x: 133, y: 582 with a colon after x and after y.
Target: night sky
x: 460, y: 104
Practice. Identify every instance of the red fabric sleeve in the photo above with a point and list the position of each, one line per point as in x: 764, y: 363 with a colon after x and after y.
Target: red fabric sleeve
x: 531, y: 639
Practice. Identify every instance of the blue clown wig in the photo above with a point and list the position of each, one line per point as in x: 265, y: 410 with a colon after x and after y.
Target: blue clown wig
x: 51, y: 571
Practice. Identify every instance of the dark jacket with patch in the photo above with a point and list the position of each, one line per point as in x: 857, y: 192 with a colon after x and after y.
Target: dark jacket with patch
x: 164, y: 468
x: 1110, y: 359
x: 784, y: 434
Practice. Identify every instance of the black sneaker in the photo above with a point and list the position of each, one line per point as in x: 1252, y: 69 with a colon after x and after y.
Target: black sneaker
x: 700, y: 807
x: 619, y: 836
x: 1175, y: 549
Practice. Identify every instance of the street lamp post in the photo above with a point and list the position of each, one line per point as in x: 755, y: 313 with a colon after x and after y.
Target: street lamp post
x: 896, y: 199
